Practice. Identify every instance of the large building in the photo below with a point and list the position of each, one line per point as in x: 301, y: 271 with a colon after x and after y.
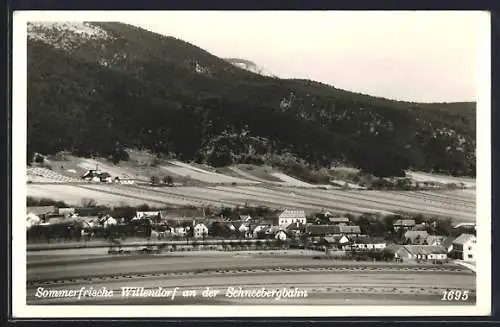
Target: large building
x: 464, y: 247
x: 289, y: 216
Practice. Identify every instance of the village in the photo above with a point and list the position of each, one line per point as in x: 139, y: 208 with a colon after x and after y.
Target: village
x: 337, y: 237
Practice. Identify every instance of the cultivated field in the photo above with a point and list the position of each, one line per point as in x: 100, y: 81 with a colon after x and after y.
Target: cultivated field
x: 238, y: 186
x: 325, y: 281
x: 457, y: 204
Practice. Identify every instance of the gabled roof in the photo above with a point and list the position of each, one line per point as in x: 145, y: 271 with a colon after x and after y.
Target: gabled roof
x: 295, y: 226
x: 463, y: 239
x: 268, y: 222
x: 370, y: 240
x: 404, y: 222
x: 425, y: 249
x: 237, y: 223
x: 322, y: 229
x: 448, y: 241
x: 349, y: 229
x: 292, y: 214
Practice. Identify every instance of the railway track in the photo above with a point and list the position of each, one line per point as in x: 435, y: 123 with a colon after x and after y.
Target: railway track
x: 243, y: 271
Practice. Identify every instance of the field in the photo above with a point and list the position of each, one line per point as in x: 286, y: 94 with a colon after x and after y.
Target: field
x: 324, y: 281
x: 456, y: 204
x: 238, y: 186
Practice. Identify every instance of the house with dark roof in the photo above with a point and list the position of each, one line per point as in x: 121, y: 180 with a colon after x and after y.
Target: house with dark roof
x: 295, y: 229
x: 321, y: 230
x: 448, y: 243
x: 351, y: 230
x: 405, y: 224
x: 464, y: 247
x: 326, y: 230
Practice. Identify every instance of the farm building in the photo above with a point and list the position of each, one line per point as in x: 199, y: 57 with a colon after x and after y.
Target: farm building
x: 405, y: 224
x: 290, y: 216
x: 125, y: 181
x: 326, y: 230
x: 321, y: 230
x: 419, y: 252
x: 351, y: 230
x: 416, y: 236
x: 97, y: 176
x: 368, y: 243
x: 464, y: 247
x: 339, y: 242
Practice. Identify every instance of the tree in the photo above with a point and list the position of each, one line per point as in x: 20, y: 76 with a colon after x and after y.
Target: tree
x: 168, y: 180
x: 88, y: 203
x: 39, y: 158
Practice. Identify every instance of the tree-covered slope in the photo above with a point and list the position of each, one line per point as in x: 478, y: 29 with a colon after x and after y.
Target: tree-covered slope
x: 98, y: 88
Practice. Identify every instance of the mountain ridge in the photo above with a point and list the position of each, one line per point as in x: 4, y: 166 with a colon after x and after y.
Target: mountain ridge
x: 201, y: 107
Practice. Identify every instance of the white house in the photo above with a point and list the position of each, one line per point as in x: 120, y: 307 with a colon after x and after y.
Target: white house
x: 109, y: 221
x: 280, y: 235
x: 289, y: 216
x: 200, y: 230
x: 464, y: 247
x: 420, y: 252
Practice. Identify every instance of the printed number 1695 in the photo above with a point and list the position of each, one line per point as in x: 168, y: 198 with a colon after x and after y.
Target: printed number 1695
x: 455, y: 295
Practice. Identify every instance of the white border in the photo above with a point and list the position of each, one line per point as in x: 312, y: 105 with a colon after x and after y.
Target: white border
x: 21, y: 310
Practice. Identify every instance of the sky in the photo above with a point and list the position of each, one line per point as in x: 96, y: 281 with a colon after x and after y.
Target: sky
x: 406, y: 55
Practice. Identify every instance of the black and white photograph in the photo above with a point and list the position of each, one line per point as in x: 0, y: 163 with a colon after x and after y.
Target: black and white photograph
x: 251, y: 163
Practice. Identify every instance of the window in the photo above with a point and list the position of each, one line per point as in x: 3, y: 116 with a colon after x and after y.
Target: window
x: 470, y: 256
x: 470, y: 248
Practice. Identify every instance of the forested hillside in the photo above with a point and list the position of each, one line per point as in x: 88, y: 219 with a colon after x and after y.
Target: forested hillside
x: 100, y: 88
